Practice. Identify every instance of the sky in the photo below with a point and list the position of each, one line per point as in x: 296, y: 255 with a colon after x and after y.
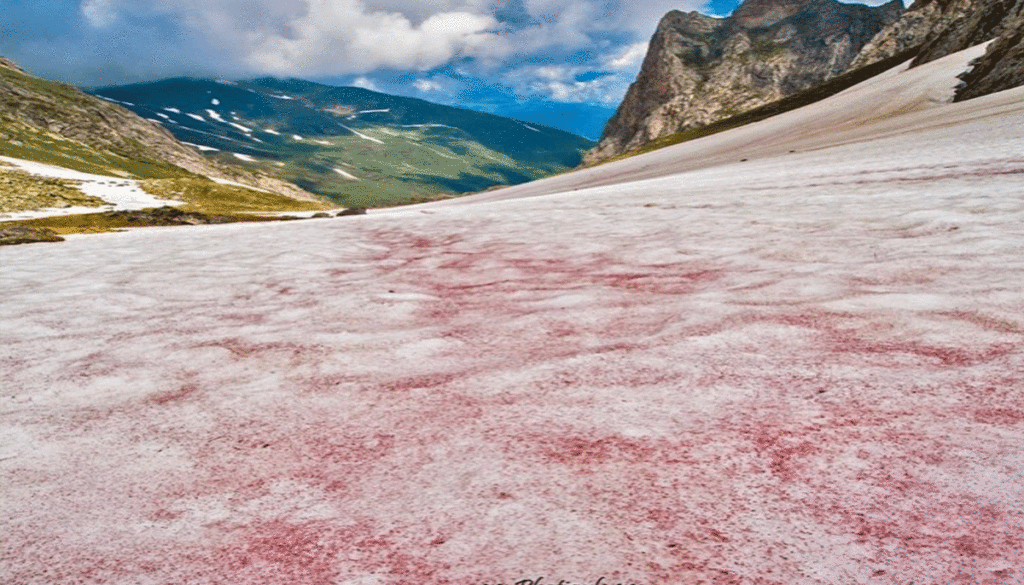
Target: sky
x: 447, y: 51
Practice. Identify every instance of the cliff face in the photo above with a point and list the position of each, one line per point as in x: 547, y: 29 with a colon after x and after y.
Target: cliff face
x: 700, y: 69
x: 943, y: 27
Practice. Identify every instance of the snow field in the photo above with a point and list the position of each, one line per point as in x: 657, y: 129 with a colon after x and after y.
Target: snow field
x: 804, y: 368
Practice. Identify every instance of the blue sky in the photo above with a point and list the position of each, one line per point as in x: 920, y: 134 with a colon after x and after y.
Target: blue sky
x: 447, y: 51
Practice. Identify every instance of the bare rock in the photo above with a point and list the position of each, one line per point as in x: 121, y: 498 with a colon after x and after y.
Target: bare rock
x: 701, y: 69
x: 13, y: 235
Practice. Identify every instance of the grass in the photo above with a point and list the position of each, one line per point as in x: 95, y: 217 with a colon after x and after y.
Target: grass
x: 228, y: 202
x: 208, y: 197
x: 21, y: 191
x: 786, y: 104
x: 28, y: 104
x: 94, y: 223
x: 410, y: 165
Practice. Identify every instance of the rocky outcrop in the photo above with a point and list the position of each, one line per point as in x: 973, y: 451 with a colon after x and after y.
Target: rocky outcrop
x: 13, y: 235
x: 944, y: 27
x: 1002, y: 66
x: 700, y: 69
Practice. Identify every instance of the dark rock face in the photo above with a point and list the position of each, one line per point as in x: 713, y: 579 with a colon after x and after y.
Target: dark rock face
x: 13, y: 235
x: 944, y: 27
x: 166, y: 216
x: 700, y: 69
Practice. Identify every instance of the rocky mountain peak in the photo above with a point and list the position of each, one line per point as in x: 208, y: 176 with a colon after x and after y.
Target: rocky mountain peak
x: 764, y: 13
x: 701, y: 69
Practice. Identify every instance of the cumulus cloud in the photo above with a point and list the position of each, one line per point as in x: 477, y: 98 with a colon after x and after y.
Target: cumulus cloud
x: 427, y: 85
x: 627, y: 57
x: 99, y: 13
x: 508, y: 41
x: 365, y: 83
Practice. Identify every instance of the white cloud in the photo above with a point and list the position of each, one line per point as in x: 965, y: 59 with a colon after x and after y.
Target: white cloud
x: 365, y: 83
x: 99, y: 13
x: 561, y: 83
x: 427, y: 85
x: 627, y: 57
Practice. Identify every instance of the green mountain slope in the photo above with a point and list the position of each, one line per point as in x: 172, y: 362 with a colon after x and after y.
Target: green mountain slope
x: 358, y: 147
x: 57, y: 124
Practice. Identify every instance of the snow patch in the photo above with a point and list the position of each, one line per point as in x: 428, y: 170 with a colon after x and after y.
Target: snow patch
x: 196, y: 117
x: 245, y: 129
x: 244, y: 157
x: 237, y: 184
x: 103, y: 97
x: 347, y: 175
x: 428, y: 126
x: 296, y: 137
x: 163, y: 115
x: 217, y: 117
x: 173, y: 110
x: 274, y: 132
x: 363, y: 136
x: 120, y: 193
x: 282, y: 97
x: 215, y: 101
x: 375, y: 111
x: 202, y: 147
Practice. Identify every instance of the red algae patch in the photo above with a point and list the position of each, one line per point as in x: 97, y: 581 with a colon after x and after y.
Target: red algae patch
x: 788, y: 372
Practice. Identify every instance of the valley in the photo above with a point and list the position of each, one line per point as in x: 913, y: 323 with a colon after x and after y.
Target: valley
x: 357, y: 147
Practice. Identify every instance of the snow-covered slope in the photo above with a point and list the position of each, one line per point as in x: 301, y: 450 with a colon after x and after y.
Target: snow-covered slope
x: 800, y: 369
x: 900, y: 102
x: 117, y: 192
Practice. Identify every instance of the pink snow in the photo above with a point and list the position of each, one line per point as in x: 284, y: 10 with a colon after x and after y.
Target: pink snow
x: 802, y: 368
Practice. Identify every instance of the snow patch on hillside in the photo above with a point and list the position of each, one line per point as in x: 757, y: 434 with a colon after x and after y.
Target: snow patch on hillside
x: 361, y: 135
x: 120, y: 193
x: 244, y: 157
x: 216, y: 116
x: 347, y: 175
x: 202, y: 147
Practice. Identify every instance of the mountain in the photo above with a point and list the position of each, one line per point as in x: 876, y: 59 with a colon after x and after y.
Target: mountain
x: 53, y: 123
x: 700, y: 69
x: 356, y: 146
x: 944, y: 27
x: 587, y: 120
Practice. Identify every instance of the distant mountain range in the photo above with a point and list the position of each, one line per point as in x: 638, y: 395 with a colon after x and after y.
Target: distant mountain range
x: 357, y: 147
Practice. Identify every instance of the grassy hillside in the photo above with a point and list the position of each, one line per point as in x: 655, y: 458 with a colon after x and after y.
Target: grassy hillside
x: 56, y: 124
x: 358, y: 147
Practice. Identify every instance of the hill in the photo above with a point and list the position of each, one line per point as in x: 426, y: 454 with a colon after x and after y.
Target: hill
x: 356, y: 146
x: 53, y: 123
